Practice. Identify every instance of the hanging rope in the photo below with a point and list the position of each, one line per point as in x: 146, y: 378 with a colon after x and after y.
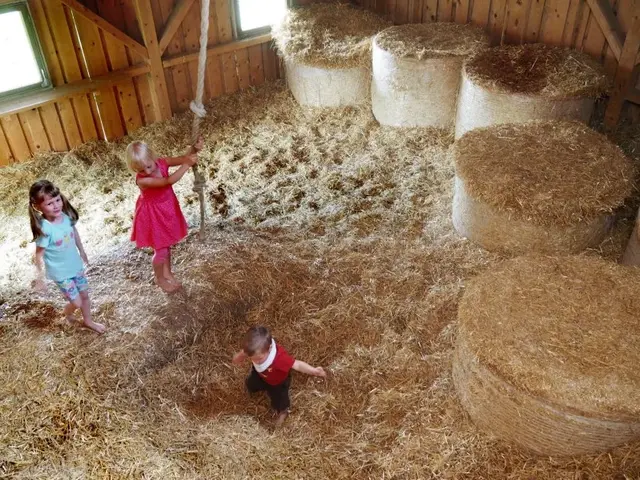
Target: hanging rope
x: 197, y: 107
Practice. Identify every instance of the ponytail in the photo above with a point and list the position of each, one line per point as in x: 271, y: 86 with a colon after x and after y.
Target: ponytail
x: 35, y: 220
x: 68, y: 209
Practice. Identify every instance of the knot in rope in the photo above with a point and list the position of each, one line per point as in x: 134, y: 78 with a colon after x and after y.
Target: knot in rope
x: 198, y: 109
x: 198, y: 183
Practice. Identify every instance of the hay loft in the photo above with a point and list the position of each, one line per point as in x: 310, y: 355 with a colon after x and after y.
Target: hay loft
x: 543, y: 186
x: 516, y: 84
x: 416, y: 72
x: 328, y: 35
x: 547, y: 353
x: 432, y: 40
x: 323, y: 225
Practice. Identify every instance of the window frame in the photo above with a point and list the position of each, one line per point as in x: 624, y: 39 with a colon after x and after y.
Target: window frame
x: 240, y: 34
x: 23, y: 7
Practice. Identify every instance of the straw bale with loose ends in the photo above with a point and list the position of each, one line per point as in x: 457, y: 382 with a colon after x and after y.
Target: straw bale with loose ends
x: 416, y: 72
x: 515, y: 84
x: 551, y: 173
x: 322, y: 225
x: 432, y: 40
x: 548, y: 187
x: 328, y: 35
x: 499, y: 231
x: 327, y: 53
x: 547, y: 353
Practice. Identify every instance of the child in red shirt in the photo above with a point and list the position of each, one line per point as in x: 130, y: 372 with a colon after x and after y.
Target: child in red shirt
x: 271, y: 370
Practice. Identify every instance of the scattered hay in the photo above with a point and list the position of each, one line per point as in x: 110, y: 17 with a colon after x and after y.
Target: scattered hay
x: 537, y: 365
x: 537, y: 69
x: 332, y: 35
x: 547, y: 173
x: 432, y: 40
x: 416, y: 72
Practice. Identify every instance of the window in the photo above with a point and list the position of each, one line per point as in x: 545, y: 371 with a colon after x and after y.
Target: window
x: 20, y: 53
x: 254, y: 17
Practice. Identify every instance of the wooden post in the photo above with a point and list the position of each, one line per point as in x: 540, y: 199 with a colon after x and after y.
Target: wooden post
x: 106, y: 26
x: 176, y: 18
x: 158, y: 84
x: 601, y: 11
x: 624, y: 79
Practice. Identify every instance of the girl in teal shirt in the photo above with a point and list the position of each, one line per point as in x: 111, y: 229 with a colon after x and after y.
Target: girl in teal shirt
x: 59, y: 248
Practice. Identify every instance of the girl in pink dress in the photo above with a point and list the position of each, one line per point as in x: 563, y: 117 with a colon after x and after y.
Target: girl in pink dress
x: 158, y: 221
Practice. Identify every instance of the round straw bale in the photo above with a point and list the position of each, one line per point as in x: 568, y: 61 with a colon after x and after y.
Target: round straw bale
x: 327, y: 87
x: 327, y: 52
x: 416, y: 72
x: 515, y: 84
x: 547, y: 353
x: 547, y: 187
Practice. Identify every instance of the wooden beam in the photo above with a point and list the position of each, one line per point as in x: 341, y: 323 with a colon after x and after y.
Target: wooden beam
x: 217, y: 50
x: 28, y: 102
x: 174, y: 21
x: 157, y: 81
x: 107, y: 27
x: 601, y: 11
x: 625, y: 75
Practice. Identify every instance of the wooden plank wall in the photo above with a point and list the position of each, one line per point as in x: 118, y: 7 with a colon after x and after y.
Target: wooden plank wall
x: 77, y: 49
x: 555, y: 22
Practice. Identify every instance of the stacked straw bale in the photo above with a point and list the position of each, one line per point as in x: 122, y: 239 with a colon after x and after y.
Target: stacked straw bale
x: 515, y: 84
x: 547, y: 187
x: 327, y: 53
x: 547, y: 354
x: 416, y: 72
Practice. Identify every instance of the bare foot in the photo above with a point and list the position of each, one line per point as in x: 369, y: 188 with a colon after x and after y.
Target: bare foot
x: 166, y: 286
x: 97, y: 327
x: 71, y: 319
x: 282, y: 416
x: 174, y: 281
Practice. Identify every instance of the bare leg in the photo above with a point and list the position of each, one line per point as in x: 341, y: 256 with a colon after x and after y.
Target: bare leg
x: 161, y: 281
x: 86, y: 314
x: 69, y: 310
x: 168, y: 274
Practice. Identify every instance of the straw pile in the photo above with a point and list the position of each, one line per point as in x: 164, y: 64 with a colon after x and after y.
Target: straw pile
x: 514, y: 84
x: 543, y: 186
x: 416, y: 72
x: 547, y: 354
x: 324, y: 226
x: 327, y: 53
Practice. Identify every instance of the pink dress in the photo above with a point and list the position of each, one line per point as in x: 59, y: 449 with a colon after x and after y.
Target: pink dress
x: 158, y: 221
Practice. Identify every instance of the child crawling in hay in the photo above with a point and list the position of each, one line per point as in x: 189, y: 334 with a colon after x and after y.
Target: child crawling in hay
x: 271, y: 369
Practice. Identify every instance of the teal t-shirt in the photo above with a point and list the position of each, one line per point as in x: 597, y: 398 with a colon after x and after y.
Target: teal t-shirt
x: 61, y: 257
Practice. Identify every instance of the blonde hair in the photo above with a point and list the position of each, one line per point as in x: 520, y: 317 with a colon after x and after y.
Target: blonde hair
x: 137, y: 154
